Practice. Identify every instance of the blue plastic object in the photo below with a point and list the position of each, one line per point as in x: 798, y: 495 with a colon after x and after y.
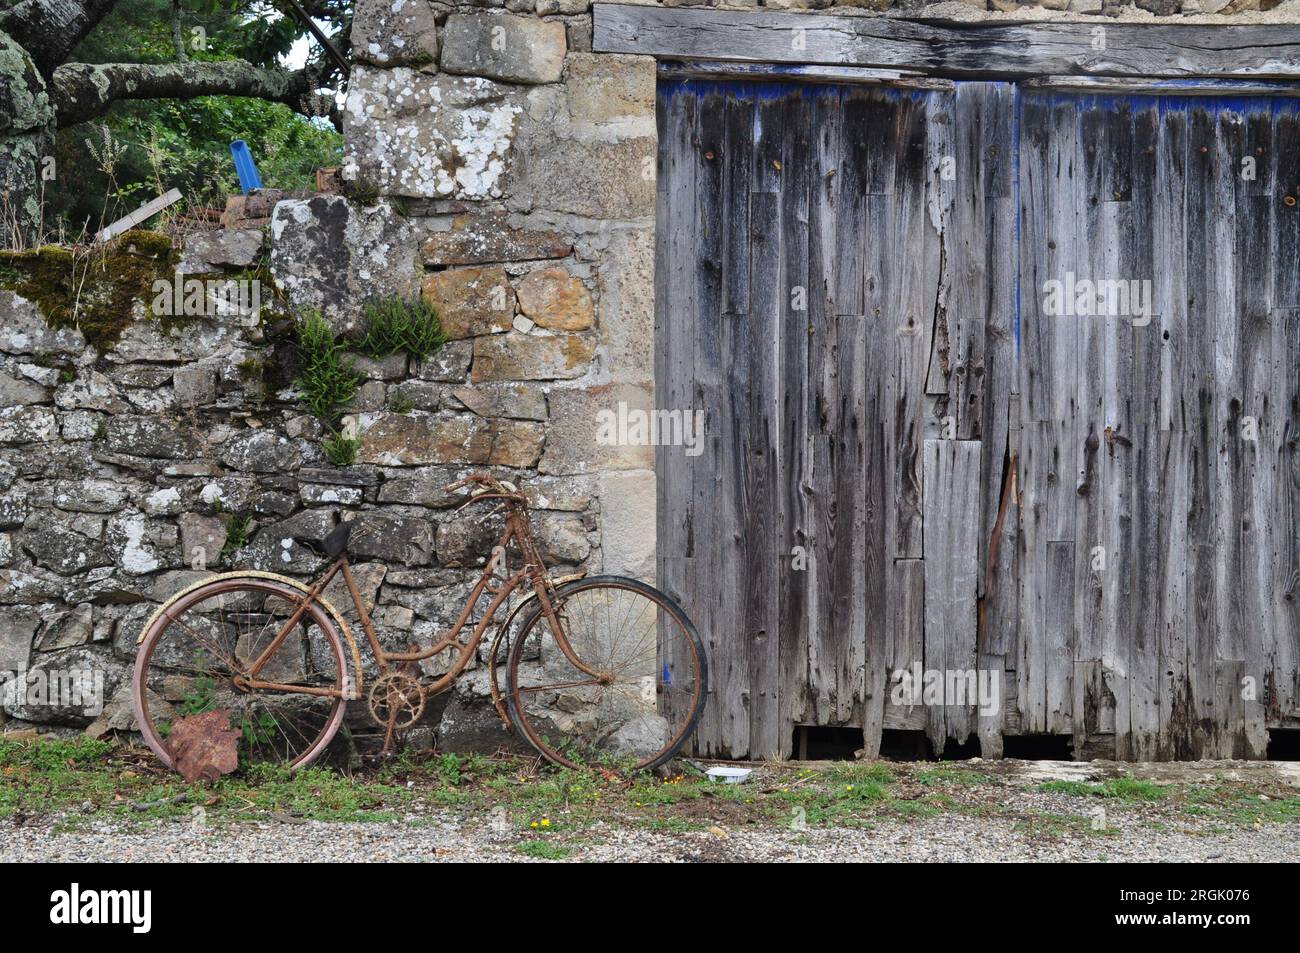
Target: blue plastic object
x: 249, y: 178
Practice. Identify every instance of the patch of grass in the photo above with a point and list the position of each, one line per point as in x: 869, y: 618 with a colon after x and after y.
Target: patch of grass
x: 394, y: 325
x: 399, y: 403
x: 543, y: 850
x: 875, y: 772
x: 651, y: 790
x: 54, y: 774
x: 952, y: 776
x: 1046, y: 824
x: 340, y: 449
x: 313, y: 792
x: 327, y: 381
x: 48, y: 776
x: 1235, y: 802
x: 1124, y: 789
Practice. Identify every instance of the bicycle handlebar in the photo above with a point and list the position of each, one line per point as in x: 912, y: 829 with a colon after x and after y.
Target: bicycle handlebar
x: 484, y: 479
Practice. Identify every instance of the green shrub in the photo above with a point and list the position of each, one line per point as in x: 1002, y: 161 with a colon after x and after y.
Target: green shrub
x: 327, y: 380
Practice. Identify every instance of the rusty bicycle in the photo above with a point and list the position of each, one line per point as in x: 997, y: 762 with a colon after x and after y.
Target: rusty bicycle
x: 596, y: 663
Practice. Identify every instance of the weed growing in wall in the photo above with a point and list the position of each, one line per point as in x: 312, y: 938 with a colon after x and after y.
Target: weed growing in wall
x: 327, y: 381
x: 341, y: 450
x: 394, y: 325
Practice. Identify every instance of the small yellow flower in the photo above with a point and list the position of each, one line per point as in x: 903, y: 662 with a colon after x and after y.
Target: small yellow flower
x: 533, y: 825
x: 546, y: 822
x: 850, y: 787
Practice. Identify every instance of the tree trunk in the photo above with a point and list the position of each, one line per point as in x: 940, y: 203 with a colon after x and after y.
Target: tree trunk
x: 26, y: 139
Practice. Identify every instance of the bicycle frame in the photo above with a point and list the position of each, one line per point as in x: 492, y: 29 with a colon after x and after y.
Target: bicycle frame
x: 532, y: 570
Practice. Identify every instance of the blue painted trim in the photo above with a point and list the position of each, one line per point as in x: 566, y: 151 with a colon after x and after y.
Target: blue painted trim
x: 1168, y: 103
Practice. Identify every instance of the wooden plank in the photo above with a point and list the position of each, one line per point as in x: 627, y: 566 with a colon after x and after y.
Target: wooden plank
x: 1058, y: 638
x: 1052, y: 189
x: 1094, y: 711
x: 1159, y: 87
x: 1257, y: 435
x: 146, y: 211
x: 1170, y: 249
x: 911, y: 284
x: 1118, y: 467
x: 1141, y: 417
x: 795, y: 73
x: 941, y: 149
x: 905, y: 649
x: 1198, y: 395
x: 1092, y: 254
x: 794, y: 575
x: 718, y: 360
x: 823, y: 406
x: 871, y: 478
x: 952, y: 528
x: 1284, y: 677
x: 756, y: 384
x: 1286, y: 554
x: 675, y: 319
x: 737, y: 144
x: 948, y: 48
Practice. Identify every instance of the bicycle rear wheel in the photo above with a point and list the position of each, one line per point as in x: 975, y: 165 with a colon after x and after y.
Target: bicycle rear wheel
x: 194, y: 657
x: 649, y: 688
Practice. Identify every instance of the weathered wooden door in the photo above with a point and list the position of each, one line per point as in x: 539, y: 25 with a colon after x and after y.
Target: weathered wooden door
x: 921, y: 457
x: 808, y: 240
x: 1159, y: 444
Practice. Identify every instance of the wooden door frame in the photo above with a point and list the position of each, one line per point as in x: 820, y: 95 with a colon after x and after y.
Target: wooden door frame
x: 1264, y: 58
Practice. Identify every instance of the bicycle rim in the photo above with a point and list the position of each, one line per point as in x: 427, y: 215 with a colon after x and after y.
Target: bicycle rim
x: 650, y: 692
x: 191, y: 654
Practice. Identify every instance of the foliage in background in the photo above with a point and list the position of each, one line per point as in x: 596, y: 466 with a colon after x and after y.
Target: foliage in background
x: 186, y: 144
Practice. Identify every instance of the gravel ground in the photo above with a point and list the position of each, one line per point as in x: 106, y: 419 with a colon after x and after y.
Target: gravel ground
x: 979, y: 812
x: 448, y: 838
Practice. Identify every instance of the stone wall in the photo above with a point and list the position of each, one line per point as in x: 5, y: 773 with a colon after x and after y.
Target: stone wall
x: 132, y: 468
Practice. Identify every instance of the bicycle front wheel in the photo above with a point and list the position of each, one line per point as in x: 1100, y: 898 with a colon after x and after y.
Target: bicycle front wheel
x: 637, y: 690
x: 195, y: 657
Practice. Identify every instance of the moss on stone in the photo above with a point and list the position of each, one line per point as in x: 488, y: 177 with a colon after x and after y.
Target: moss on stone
x: 94, y: 291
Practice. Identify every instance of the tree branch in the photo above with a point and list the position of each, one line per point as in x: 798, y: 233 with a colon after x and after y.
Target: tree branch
x: 51, y: 29
x: 82, y: 91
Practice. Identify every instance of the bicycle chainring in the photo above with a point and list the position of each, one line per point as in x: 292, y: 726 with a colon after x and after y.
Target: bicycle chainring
x: 397, y: 696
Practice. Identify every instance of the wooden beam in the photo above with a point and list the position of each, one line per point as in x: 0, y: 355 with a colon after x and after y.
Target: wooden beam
x: 948, y: 48
x: 715, y: 69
